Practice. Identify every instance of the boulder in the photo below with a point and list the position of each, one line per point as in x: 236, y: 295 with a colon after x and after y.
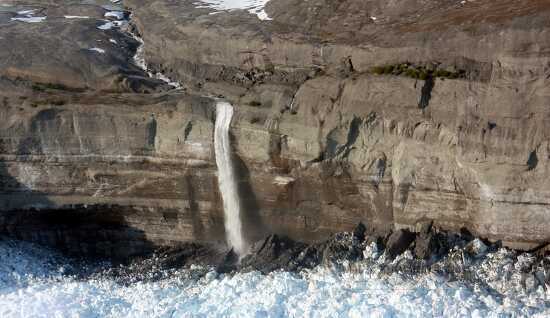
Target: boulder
x: 428, y: 242
x: 275, y: 252
x: 398, y: 242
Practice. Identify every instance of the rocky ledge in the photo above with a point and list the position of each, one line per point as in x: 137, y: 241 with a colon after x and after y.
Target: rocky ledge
x: 389, y: 114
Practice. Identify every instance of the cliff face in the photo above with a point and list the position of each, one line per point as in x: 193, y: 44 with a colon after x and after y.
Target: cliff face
x: 390, y: 114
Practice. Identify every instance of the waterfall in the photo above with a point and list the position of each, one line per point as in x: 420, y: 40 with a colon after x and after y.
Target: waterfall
x: 226, y: 178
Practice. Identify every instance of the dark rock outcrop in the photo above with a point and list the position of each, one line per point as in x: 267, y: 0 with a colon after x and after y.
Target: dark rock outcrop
x: 429, y: 243
x: 275, y: 252
x: 398, y: 242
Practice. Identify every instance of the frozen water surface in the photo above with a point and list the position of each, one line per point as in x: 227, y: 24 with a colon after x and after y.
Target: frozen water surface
x: 37, y: 282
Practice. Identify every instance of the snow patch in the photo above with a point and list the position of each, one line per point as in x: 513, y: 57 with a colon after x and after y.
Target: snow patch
x: 26, y: 12
x: 111, y: 24
x: 28, y: 17
x: 119, y: 15
x: 76, y: 17
x: 139, y: 60
x: 282, y: 180
x: 98, y: 50
x: 255, y: 7
x: 106, y: 26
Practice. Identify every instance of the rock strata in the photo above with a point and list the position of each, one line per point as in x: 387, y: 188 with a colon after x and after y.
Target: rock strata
x: 390, y: 114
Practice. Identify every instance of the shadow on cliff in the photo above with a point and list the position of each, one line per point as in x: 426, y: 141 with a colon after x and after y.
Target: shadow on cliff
x: 194, y: 210
x: 97, y: 232
x: 254, y: 228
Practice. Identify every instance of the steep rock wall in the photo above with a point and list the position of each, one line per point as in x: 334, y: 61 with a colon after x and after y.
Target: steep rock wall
x: 324, y: 135
x: 353, y: 144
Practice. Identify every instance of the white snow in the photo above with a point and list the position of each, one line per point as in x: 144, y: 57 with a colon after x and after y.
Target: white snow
x: 139, y: 60
x: 28, y: 16
x: 98, y: 50
x: 113, y: 41
x: 253, y: 6
x: 26, y: 12
x: 76, y: 17
x: 29, y: 19
x: 262, y: 15
x: 282, y: 180
x: 106, y: 26
x: 111, y: 24
x: 35, y: 282
x: 119, y: 15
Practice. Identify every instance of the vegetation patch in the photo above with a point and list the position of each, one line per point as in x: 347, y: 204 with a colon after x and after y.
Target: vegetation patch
x: 42, y: 87
x: 50, y: 102
x: 417, y: 72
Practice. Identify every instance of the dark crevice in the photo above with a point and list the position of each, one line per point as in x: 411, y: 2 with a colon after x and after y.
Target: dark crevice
x: 151, y: 132
x: 532, y: 161
x: 429, y: 84
x: 187, y: 130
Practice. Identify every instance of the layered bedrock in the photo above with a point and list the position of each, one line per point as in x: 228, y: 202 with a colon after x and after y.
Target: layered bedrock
x: 390, y: 114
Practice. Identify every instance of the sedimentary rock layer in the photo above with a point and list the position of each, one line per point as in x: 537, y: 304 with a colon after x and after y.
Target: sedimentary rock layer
x: 353, y: 111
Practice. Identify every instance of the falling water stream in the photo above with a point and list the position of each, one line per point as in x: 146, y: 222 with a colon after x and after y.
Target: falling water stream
x: 226, y: 178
